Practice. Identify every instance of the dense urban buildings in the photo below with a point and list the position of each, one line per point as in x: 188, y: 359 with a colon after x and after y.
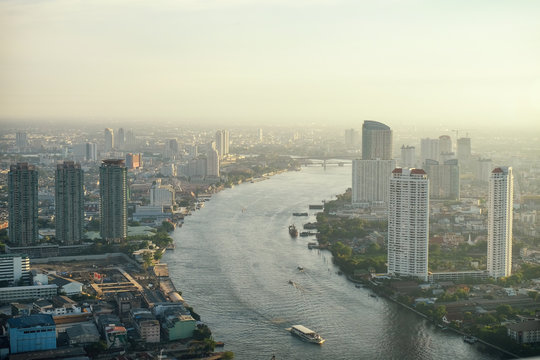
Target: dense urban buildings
x: 376, y: 141
x: 371, y: 180
x: 161, y: 195
x: 113, y: 200
x: 69, y: 203
x: 23, y: 204
x: 443, y: 179
x: 408, y: 223
x: 500, y: 209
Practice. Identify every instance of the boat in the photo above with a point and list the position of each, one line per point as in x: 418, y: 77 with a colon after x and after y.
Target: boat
x: 306, y: 334
x: 220, y: 344
x: 373, y: 295
x: 291, y: 282
x: 293, y: 231
x: 470, y: 339
x: 300, y: 214
x: 315, y: 207
x: 358, y: 286
x: 313, y: 245
x: 300, y: 268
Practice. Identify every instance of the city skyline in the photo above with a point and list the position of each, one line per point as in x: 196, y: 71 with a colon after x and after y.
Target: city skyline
x: 238, y: 62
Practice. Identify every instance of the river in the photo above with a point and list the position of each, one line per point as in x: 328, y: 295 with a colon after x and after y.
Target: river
x: 233, y: 262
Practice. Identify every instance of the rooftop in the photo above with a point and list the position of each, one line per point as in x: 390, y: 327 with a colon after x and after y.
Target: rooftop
x: 31, y: 321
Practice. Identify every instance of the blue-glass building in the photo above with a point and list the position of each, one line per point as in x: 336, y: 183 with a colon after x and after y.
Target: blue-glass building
x: 32, y: 333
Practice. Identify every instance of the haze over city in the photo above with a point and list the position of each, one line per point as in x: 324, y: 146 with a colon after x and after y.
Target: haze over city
x: 421, y: 63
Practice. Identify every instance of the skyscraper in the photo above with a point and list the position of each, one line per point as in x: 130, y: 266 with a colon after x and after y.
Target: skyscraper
x: 429, y: 149
x: 133, y: 161
x: 212, y: 163
x: 482, y: 170
x: 21, y: 140
x: 408, y: 156
x: 222, y: 142
x: 500, y: 207
x: 109, y: 139
x: 463, y: 149
x: 23, y: 204
x: 445, y: 144
x: 408, y: 223
x: 443, y: 179
x: 120, y: 139
x: 69, y: 203
x: 113, y: 191
x: 376, y: 141
x: 370, y: 182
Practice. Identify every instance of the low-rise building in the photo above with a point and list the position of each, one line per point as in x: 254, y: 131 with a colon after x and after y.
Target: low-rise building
x: 67, y: 286
x: 176, y: 327
x: 84, y: 333
x: 31, y: 333
x: 18, y: 293
x: 146, y: 325
x: 524, y: 332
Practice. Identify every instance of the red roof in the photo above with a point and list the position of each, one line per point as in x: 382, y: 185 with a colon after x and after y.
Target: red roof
x: 397, y: 171
x: 497, y: 171
x: 418, y: 171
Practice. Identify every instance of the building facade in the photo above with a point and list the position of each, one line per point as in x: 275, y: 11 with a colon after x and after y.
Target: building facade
x: 161, y: 195
x: 463, y: 149
x: 408, y: 156
x: 69, y: 203
x: 31, y: 333
x: 212, y: 163
x: 109, y: 140
x: 429, y: 149
x: 376, y: 141
x: 445, y: 144
x: 23, y: 204
x: 113, y: 191
x: 133, y: 161
x: 500, y: 209
x: 370, y: 182
x: 408, y: 223
x: 14, y: 268
x: 443, y: 179
x: 222, y: 142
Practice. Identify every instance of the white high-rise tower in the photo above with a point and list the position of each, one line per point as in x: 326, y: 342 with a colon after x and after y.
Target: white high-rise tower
x: 501, y: 192
x: 408, y: 223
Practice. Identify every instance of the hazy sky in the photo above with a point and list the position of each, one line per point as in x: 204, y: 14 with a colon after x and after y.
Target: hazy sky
x: 284, y: 61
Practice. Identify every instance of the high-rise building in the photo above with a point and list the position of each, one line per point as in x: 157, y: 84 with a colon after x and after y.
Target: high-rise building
x: 173, y: 147
x: 408, y: 223
x: 21, y: 140
x: 86, y: 151
x: 133, y: 161
x: 352, y: 138
x: 212, y: 163
x: 445, y: 144
x: 429, y: 149
x: 120, y: 139
x: 14, y: 268
x: 113, y: 191
x: 222, y: 142
x: 23, y: 204
x: 376, y: 141
x: 464, y: 149
x: 69, y: 203
x: 131, y: 141
x: 370, y: 182
x: 482, y: 170
x: 109, y: 139
x: 500, y: 207
x: 443, y: 179
x: 408, y: 156
x: 260, y: 135
x: 161, y: 194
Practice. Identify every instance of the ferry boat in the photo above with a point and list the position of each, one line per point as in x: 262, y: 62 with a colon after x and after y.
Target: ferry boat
x: 293, y: 231
x: 306, y: 334
x: 300, y: 214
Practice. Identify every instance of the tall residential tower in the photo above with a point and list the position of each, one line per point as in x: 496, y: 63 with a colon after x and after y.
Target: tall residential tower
x: 500, y: 198
x: 23, y: 204
x: 376, y: 141
x: 408, y: 223
x: 69, y: 203
x: 113, y: 197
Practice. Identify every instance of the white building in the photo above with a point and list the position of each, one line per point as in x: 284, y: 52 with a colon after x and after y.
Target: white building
x: 500, y: 206
x: 109, y: 139
x: 14, y: 268
x: 222, y: 142
x: 212, y: 163
x: 445, y: 144
x: 161, y: 194
x: 408, y: 156
x: 370, y: 181
x: 408, y: 223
